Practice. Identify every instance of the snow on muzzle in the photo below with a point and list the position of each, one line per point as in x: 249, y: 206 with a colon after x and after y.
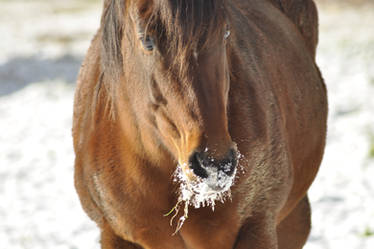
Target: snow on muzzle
x: 205, y: 179
x: 203, y: 182
x: 215, y: 173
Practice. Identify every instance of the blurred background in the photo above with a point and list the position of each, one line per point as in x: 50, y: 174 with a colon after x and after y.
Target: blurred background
x: 42, y: 45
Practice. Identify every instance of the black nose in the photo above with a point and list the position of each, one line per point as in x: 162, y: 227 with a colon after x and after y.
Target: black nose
x: 200, y: 161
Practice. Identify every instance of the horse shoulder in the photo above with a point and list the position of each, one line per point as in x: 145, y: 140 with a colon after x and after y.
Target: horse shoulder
x: 296, y: 96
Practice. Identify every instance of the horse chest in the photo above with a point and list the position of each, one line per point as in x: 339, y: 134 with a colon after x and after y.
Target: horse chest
x: 139, y: 216
x: 206, y: 229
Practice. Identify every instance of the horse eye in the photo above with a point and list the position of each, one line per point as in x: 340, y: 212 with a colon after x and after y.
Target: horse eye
x: 148, y: 43
x: 227, y: 34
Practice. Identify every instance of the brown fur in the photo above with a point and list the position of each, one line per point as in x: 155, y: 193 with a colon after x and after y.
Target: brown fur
x: 138, y: 113
x: 303, y: 13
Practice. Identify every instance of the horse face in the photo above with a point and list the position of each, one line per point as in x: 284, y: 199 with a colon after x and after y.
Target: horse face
x: 185, y: 85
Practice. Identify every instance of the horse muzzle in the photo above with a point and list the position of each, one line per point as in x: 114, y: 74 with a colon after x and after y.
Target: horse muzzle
x: 218, y: 174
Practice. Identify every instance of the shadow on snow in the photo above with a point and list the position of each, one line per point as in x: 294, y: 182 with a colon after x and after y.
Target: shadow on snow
x: 19, y: 72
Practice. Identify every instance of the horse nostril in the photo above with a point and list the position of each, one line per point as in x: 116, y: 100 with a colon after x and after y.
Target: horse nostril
x: 196, y: 164
x: 229, y: 164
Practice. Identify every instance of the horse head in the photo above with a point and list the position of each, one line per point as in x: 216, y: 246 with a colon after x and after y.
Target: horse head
x: 173, y: 57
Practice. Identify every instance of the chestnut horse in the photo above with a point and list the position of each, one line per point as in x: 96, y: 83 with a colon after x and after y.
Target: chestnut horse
x: 211, y: 111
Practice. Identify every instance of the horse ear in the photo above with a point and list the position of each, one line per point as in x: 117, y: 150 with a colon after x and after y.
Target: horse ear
x: 112, y: 22
x: 304, y: 15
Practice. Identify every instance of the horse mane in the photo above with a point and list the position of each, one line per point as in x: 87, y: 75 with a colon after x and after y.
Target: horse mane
x: 112, y: 25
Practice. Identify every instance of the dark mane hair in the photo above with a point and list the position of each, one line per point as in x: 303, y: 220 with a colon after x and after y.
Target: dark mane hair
x: 179, y: 27
x: 112, y: 22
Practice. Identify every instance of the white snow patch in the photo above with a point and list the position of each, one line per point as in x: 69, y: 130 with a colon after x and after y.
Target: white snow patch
x: 204, y: 191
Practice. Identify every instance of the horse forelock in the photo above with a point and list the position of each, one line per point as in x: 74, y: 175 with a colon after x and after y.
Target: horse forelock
x: 188, y: 25
x: 190, y: 21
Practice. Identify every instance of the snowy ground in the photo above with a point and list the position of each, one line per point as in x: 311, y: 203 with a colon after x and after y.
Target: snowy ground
x: 42, y: 46
x: 343, y: 194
